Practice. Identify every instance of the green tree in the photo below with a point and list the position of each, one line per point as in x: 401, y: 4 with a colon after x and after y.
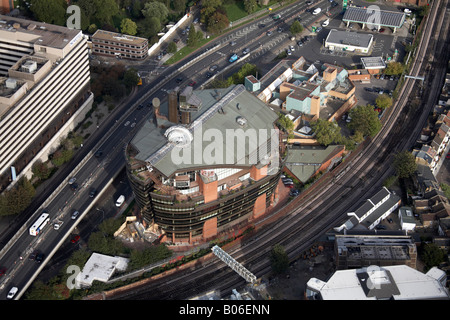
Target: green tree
x: 41, y: 170
x: 383, y: 101
x: 131, y: 78
x: 193, y: 36
x: 365, y: 120
x: 147, y: 256
x: 285, y: 123
x: 405, y: 164
x: 246, y: 70
x: 156, y: 9
x: 208, y: 9
x: 250, y: 6
x: 49, y: 11
x: 394, y: 69
x: 179, y: 5
x: 149, y: 27
x: 217, y: 22
x: 279, y: 259
x: 172, y: 47
x: 296, y: 27
x: 432, y: 255
x: 326, y: 132
x: 128, y: 26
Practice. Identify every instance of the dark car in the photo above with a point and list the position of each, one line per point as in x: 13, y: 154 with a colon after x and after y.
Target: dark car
x: 2, y: 271
x: 209, y: 74
x: 98, y: 154
x: 179, y: 80
x: 74, y: 186
x: 40, y: 258
x: 92, y: 193
x: 294, y: 193
x: 192, y: 83
x: 380, y: 227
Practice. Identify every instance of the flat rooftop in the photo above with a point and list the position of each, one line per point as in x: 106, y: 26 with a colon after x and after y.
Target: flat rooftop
x: 366, y: 15
x: 362, y: 40
x: 118, y: 37
x: 373, y: 62
x: 44, y: 34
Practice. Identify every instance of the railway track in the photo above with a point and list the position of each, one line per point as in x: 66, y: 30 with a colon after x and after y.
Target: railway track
x: 307, y: 217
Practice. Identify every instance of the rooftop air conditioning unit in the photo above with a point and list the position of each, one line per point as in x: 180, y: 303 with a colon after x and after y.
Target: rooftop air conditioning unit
x: 11, y: 83
x: 29, y: 66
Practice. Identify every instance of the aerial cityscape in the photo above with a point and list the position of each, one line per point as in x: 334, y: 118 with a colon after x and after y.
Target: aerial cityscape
x: 224, y: 150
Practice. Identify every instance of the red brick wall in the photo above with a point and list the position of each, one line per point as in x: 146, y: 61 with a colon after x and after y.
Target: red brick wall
x: 260, y: 206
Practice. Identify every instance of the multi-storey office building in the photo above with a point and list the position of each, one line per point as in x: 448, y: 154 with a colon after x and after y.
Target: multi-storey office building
x: 111, y: 44
x: 200, y: 171
x: 44, y: 90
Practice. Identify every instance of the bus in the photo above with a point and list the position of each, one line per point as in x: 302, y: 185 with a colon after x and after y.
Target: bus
x: 39, y: 224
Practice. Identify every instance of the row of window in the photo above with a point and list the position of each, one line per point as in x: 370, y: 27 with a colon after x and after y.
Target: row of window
x: 120, y: 44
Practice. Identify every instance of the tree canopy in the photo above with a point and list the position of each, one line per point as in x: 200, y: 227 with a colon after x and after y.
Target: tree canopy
x: 365, y: 120
x: 49, y: 11
x: 326, y: 132
x: 405, y: 164
x: 279, y: 259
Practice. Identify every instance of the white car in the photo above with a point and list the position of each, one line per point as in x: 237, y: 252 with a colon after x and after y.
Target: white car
x: 120, y: 200
x: 317, y: 11
x: 292, y: 48
x: 12, y: 292
x: 407, y: 10
x: 326, y: 23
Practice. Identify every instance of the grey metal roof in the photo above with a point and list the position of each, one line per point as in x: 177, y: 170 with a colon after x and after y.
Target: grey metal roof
x: 349, y: 38
x: 365, y: 15
x: 219, y: 112
x: 373, y: 62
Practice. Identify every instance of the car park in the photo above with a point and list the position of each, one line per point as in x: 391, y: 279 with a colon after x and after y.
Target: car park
x: 120, y: 200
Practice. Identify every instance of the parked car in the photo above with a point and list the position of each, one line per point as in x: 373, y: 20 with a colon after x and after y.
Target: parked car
x: 245, y: 51
x: 292, y: 48
x: 269, y: 33
x: 294, y: 193
x: 120, y: 200
x: 300, y: 43
x: 232, y: 43
x: 380, y: 227
x: 318, y: 29
x: 75, y: 239
x: 288, y: 52
x: 326, y: 23
x: 317, y: 11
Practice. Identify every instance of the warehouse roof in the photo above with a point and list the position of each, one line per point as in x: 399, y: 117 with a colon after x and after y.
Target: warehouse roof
x: 366, y: 15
